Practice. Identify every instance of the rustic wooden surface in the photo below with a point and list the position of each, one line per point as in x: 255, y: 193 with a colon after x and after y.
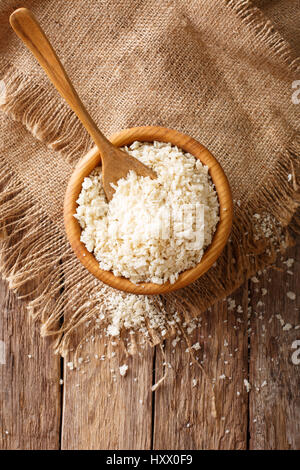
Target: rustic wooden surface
x: 92, y: 411
x: 275, y: 408
x: 30, y: 395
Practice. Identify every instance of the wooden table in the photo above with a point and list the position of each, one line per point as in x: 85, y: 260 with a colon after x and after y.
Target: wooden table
x: 92, y: 411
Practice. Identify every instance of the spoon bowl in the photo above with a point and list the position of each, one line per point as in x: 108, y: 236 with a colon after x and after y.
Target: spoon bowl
x: 149, y: 134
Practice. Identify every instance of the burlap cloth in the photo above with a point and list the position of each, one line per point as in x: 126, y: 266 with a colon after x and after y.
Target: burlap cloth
x: 216, y: 70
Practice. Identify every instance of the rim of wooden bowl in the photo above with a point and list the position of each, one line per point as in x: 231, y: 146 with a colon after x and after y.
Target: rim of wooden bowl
x: 149, y: 134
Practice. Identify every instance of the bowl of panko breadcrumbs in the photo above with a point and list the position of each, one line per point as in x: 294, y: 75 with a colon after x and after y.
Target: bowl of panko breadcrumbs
x: 155, y: 235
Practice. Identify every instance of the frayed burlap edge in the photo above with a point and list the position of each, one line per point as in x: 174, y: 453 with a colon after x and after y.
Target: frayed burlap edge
x: 35, y: 251
x: 253, y: 18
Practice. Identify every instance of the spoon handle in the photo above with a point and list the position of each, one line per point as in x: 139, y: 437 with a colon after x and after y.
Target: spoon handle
x: 27, y: 28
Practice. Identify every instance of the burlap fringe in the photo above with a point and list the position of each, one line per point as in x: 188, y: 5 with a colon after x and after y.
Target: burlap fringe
x: 43, y: 113
x: 252, y: 17
x: 36, y: 260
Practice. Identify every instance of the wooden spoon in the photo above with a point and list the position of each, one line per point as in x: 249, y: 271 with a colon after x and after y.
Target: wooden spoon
x: 115, y: 163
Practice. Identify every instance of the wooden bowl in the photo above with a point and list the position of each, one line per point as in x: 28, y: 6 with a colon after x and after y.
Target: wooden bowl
x: 148, y: 134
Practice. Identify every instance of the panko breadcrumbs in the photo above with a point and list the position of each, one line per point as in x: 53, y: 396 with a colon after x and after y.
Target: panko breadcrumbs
x: 152, y: 229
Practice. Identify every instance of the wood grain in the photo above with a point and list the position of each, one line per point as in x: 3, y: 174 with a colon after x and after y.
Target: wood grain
x: 183, y: 413
x: 149, y: 134
x: 275, y: 405
x: 102, y: 409
x: 29, y: 381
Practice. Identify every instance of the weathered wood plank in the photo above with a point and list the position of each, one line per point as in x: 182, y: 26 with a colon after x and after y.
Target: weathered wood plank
x: 183, y: 418
x: 29, y: 381
x: 102, y: 413
x: 275, y: 379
